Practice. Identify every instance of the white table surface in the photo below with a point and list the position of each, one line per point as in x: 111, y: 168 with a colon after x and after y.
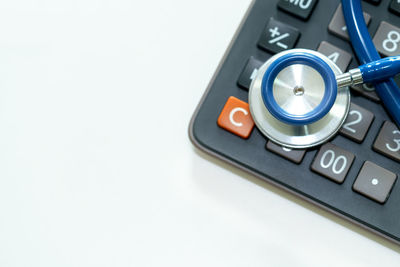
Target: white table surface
x: 96, y: 168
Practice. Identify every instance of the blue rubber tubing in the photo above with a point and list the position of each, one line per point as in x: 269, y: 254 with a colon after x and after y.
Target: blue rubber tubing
x: 366, y: 52
x: 380, y: 70
x: 312, y: 61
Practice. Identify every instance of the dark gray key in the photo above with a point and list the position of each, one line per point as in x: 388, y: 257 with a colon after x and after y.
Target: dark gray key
x: 294, y: 155
x: 387, y: 39
x: 374, y: 182
x: 333, y: 162
x: 395, y: 7
x: 278, y: 36
x: 366, y: 90
x: 388, y: 141
x: 249, y: 72
x: 337, y: 55
x: 337, y: 25
x: 357, y: 123
x: 301, y: 9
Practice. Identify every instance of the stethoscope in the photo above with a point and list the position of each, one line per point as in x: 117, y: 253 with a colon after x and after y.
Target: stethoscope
x: 300, y: 98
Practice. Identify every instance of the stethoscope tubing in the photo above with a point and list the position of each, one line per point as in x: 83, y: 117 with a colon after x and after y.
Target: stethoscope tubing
x: 373, y: 72
x: 380, y: 70
x: 387, y: 90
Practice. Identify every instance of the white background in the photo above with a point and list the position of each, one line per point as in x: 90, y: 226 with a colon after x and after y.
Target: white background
x: 96, y: 168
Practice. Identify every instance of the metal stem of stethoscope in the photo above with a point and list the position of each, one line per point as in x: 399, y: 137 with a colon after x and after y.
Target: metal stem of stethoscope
x: 352, y: 77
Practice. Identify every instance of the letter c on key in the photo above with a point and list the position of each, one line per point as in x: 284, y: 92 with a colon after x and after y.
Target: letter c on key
x: 233, y: 112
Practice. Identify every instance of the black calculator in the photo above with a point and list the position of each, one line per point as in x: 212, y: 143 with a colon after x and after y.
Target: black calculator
x: 354, y: 174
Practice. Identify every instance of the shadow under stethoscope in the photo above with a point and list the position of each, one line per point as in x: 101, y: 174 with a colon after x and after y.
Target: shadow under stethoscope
x: 296, y: 199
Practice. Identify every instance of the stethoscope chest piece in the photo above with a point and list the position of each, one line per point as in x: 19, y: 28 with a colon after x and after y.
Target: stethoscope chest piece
x: 294, y: 100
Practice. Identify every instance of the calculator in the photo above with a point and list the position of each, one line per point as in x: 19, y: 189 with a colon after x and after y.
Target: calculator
x: 354, y: 174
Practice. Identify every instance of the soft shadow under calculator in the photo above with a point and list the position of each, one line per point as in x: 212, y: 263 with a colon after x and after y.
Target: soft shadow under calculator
x: 355, y: 174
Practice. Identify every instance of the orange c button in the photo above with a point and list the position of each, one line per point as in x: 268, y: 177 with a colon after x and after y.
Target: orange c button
x: 235, y: 118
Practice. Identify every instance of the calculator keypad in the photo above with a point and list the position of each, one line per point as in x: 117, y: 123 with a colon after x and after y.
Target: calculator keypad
x: 388, y: 141
x: 294, y: 155
x: 338, y: 27
x: 374, y: 182
x: 333, y: 162
x: 366, y: 90
x: 235, y: 118
x: 357, y: 123
x: 300, y: 9
x: 278, y: 36
x: 387, y: 39
x: 249, y: 73
x: 395, y: 7
x: 340, y: 57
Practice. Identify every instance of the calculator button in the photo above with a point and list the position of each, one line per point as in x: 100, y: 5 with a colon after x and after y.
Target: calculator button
x: 235, y: 118
x: 337, y: 25
x: 340, y: 57
x: 249, y: 72
x: 374, y: 182
x: 299, y: 8
x: 388, y: 141
x: 333, y: 162
x: 395, y: 7
x: 294, y: 155
x: 357, y: 123
x: 278, y: 36
x: 367, y: 90
x: 387, y: 39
